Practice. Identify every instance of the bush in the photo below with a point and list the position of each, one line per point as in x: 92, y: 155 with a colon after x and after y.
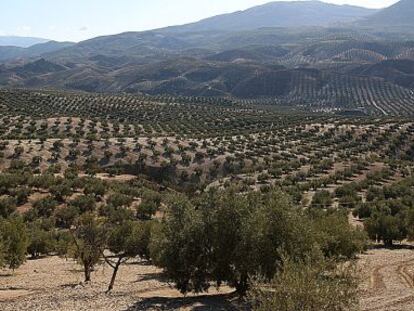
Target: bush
x: 322, y: 199
x: 7, y: 206
x: 45, y: 207
x: 41, y: 242
x: 307, y: 285
x: 83, y: 203
x: 15, y: 241
x: 386, y: 228
x: 338, y: 238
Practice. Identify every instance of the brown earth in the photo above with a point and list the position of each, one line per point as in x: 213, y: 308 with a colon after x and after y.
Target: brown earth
x: 388, y: 282
x: 56, y: 284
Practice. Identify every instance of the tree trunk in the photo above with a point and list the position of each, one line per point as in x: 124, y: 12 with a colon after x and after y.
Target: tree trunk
x: 243, y: 285
x: 388, y: 243
x: 111, y: 284
x: 87, y: 271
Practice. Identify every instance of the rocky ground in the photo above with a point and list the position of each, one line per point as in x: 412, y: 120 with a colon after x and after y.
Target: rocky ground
x: 56, y: 284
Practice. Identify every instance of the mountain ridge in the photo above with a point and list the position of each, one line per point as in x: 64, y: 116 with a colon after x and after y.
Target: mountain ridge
x: 398, y: 14
x: 279, y: 14
x: 22, y: 42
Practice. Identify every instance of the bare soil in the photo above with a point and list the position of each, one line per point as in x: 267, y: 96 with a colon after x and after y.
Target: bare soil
x: 388, y: 280
x: 54, y: 283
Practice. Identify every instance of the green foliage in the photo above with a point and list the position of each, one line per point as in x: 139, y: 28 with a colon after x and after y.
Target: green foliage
x: 386, y: 228
x: 45, y: 207
x: 307, y: 285
x: 150, y: 203
x: 84, y: 203
x: 389, y: 211
x: 95, y: 187
x: 63, y: 243
x: 227, y: 237
x: 7, y: 206
x: 15, y: 241
x: 180, y: 246
x: 322, y: 199
x: 118, y: 200
x: 41, y: 241
x: 337, y: 238
x: 61, y: 191
x: 89, y: 243
x: 129, y: 239
x: 125, y: 240
x: 66, y: 217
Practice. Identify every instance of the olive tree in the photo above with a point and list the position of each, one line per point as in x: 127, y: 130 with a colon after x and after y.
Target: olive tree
x: 89, y: 242
x: 126, y: 240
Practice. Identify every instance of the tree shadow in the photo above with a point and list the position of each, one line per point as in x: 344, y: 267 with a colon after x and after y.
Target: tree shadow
x: 393, y: 247
x: 158, y: 276
x: 224, y: 302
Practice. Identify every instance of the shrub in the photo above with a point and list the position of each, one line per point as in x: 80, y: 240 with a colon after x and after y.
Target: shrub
x: 15, y: 241
x: 307, y: 285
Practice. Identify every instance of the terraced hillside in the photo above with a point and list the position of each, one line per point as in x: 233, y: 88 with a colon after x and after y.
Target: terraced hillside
x: 65, y: 155
x: 167, y: 136
x: 332, y: 73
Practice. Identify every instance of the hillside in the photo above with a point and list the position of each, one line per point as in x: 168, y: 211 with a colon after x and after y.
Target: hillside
x: 326, y: 68
x: 23, y: 42
x: 8, y: 53
x: 399, y: 14
x: 280, y: 14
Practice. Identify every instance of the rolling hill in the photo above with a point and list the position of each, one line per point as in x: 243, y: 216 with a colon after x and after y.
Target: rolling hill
x: 23, y: 42
x: 249, y: 56
x: 280, y: 14
x: 8, y: 53
x: 398, y: 15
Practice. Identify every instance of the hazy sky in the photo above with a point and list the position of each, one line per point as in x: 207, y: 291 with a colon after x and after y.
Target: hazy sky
x: 77, y: 20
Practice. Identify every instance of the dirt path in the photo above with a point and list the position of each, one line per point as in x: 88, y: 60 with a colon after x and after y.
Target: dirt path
x: 389, y: 280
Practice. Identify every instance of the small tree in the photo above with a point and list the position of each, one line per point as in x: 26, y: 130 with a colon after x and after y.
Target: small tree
x: 89, y: 242
x: 386, y: 228
x: 41, y: 242
x: 125, y: 241
x: 7, y: 207
x: 15, y: 241
x: 322, y: 199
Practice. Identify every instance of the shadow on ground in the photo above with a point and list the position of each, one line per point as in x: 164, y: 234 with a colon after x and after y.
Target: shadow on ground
x: 199, y: 303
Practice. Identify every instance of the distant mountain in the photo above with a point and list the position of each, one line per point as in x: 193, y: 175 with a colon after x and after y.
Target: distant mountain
x: 12, y: 52
x: 23, y: 42
x: 282, y: 51
x: 281, y: 14
x: 399, y: 14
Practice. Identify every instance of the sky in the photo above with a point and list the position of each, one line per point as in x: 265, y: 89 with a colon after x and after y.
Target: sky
x: 76, y: 20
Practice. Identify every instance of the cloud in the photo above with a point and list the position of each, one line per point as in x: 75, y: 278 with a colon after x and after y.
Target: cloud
x: 84, y: 28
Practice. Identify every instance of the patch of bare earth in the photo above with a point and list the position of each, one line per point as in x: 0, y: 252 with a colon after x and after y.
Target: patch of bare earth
x: 388, y: 283
x: 54, y: 283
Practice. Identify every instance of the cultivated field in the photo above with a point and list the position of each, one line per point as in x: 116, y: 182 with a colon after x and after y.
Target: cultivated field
x: 66, y: 155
